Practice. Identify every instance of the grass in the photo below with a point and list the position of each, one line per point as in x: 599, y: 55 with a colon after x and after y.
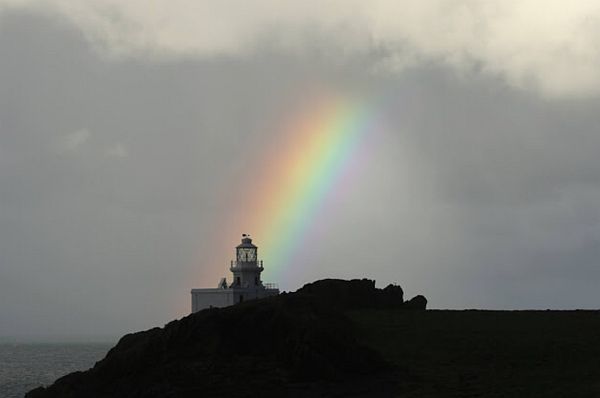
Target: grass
x: 488, y: 353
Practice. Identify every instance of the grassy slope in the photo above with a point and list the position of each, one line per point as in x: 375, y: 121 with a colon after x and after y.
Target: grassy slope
x: 489, y: 353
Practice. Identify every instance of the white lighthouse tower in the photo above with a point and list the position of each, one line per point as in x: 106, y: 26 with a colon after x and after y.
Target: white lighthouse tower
x: 246, y: 283
x: 246, y: 268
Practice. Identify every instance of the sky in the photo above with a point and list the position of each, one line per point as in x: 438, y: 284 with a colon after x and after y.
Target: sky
x: 129, y: 132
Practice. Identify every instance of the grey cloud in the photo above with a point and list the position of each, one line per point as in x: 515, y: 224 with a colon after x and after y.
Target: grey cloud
x: 475, y: 194
x: 543, y: 46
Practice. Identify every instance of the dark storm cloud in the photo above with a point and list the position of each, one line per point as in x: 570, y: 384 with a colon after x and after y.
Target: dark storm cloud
x: 112, y: 172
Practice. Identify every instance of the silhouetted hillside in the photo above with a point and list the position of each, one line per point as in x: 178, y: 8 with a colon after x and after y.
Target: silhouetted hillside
x: 335, y: 338
x: 487, y: 353
x: 297, y: 344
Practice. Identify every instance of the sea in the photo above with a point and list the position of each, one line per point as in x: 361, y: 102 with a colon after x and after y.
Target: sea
x: 25, y: 366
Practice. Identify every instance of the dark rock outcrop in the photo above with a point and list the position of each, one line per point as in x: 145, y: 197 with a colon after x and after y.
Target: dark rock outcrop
x: 416, y: 303
x: 295, y: 344
x: 353, y: 294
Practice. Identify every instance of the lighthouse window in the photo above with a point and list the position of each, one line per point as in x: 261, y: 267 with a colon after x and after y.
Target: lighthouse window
x: 246, y: 254
x: 241, y: 298
x: 237, y: 281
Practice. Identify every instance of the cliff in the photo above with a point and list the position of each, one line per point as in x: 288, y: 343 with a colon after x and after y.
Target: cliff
x: 336, y: 338
x: 298, y: 344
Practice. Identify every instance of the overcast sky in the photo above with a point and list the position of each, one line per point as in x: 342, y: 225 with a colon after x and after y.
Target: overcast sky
x: 122, y: 126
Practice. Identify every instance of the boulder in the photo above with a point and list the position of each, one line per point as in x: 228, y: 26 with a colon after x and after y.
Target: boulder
x: 416, y: 303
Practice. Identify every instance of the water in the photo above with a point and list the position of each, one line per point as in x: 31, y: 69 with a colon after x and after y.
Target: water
x: 24, y: 367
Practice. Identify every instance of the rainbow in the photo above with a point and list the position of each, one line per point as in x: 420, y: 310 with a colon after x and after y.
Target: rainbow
x: 306, y: 166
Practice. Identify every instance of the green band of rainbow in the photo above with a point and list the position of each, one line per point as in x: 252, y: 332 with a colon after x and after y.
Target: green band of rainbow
x: 304, y: 169
x: 314, y: 173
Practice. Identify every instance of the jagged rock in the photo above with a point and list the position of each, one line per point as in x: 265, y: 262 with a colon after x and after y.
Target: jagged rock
x: 392, y: 296
x: 341, y: 294
x: 416, y: 303
x: 353, y: 294
x: 295, y: 344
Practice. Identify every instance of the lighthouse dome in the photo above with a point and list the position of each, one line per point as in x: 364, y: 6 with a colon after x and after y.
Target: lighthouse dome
x: 246, y: 242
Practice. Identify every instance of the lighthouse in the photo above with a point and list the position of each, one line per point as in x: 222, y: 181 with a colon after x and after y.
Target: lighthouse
x: 245, y: 285
x: 246, y: 268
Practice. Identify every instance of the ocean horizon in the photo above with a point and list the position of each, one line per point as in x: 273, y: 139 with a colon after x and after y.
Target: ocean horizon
x: 27, y: 363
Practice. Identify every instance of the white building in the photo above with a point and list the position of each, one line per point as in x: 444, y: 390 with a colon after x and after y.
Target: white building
x: 246, y: 284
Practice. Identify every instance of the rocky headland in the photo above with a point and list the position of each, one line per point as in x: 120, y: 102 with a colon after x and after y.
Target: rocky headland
x: 299, y: 344
x: 336, y: 338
